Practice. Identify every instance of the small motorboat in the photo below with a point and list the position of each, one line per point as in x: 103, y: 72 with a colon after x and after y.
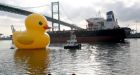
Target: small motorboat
x: 72, y: 42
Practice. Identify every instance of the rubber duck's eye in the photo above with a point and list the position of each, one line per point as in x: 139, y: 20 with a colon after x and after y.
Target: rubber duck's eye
x: 40, y: 23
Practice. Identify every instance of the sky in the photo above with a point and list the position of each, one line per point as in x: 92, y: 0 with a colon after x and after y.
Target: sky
x: 72, y: 11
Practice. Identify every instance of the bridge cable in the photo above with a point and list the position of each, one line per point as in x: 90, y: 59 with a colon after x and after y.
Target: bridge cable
x: 65, y: 13
x: 28, y: 7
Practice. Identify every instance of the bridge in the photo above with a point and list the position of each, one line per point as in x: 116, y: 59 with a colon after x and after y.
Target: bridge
x: 25, y: 12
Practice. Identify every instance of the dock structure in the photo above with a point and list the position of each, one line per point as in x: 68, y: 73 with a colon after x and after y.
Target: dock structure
x: 25, y: 12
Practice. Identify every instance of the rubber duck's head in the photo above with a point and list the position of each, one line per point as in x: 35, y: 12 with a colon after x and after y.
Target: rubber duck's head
x: 36, y: 22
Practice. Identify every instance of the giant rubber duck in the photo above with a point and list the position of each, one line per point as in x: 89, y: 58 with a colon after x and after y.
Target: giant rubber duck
x: 34, y: 37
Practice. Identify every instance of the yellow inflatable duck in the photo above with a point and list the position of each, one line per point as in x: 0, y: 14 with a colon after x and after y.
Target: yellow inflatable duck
x: 34, y: 37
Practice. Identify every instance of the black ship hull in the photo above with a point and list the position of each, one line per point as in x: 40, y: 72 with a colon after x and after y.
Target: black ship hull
x: 85, y: 36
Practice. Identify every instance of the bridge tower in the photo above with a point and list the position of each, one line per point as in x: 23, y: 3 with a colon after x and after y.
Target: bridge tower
x: 55, y: 11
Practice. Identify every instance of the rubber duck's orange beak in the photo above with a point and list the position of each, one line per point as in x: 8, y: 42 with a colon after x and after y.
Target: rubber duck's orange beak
x: 46, y: 27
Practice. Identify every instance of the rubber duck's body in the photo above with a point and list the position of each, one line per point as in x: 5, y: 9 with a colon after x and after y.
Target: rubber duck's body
x: 34, y: 37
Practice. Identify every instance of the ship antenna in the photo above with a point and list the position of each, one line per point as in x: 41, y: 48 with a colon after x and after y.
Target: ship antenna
x: 99, y: 14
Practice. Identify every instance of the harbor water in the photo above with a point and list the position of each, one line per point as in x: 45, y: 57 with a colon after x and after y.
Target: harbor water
x: 92, y: 59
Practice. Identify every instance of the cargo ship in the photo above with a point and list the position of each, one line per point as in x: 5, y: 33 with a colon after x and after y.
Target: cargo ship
x: 98, y: 30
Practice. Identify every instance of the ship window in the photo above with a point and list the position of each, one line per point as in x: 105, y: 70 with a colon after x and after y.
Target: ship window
x: 109, y: 16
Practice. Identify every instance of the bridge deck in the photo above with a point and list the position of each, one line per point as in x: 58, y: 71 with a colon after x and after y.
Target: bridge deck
x: 25, y: 12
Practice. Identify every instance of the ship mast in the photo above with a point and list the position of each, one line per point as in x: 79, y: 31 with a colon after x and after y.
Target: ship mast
x: 99, y: 14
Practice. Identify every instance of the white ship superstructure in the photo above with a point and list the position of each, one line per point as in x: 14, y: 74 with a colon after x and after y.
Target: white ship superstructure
x: 101, y: 23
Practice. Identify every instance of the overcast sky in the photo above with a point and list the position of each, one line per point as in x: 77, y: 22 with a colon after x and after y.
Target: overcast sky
x: 72, y: 11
